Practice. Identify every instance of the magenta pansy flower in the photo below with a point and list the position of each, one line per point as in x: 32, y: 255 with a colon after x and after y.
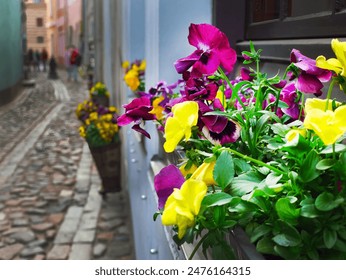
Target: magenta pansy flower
x: 200, y: 89
x: 213, y: 50
x: 168, y: 179
x: 311, y: 77
x: 136, y: 111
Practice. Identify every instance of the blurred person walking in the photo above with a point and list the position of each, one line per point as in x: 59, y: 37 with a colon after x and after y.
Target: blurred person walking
x: 30, y: 59
x: 75, y: 60
x: 44, y: 59
x: 68, y: 64
x: 36, y: 61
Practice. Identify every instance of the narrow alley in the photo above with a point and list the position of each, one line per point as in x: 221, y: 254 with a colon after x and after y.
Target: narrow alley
x: 50, y: 207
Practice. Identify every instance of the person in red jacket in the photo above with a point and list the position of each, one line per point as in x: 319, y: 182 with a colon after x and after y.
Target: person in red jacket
x: 74, y: 61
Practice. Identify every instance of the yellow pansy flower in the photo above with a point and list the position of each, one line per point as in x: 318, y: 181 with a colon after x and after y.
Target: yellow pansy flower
x: 338, y: 64
x: 82, y: 131
x: 142, y: 65
x: 157, y: 109
x: 186, y: 172
x: 315, y: 103
x: 93, y: 116
x: 328, y: 125
x: 221, y: 96
x: 294, y: 133
x: 183, y: 205
x: 131, y: 79
x: 125, y: 64
x: 185, y: 116
x: 113, y: 109
x: 205, y: 173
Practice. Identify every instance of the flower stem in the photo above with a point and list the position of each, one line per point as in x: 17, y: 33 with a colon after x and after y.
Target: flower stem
x: 258, y: 162
x: 200, y: 242
x: 329, y: 93
x: 224, y: 76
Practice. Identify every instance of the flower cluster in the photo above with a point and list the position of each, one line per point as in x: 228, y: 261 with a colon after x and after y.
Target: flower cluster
x: 99, y: 89
x: 262, y: 153
x: 99, y: 125
x: 134, y: 75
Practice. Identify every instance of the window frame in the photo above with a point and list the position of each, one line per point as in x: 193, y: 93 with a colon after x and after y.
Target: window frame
x: 320, y: 25
x: 39, y: 41
x: 39, y: 22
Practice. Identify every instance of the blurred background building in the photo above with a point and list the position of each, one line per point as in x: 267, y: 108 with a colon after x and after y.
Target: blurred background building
x: 12, y: 46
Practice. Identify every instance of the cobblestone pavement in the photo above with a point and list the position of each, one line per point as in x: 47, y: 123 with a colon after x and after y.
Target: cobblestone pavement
x: 50, y: 207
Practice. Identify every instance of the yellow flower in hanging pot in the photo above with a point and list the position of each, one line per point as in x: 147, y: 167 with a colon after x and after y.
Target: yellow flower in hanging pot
x: 125, y: 64
x: 131, y: 79
x: 157, y: 109
x: 329, y: 125
x: 183, y: 205
x: 142, y: 65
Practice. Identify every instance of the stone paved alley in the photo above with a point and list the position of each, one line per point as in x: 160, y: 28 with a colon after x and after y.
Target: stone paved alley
x: 50, y: 207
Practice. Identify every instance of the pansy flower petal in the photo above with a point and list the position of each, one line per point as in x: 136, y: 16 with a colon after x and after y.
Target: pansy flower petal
x: 165, y: 181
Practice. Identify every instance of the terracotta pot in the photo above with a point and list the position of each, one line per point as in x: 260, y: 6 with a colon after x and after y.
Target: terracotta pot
x: 107, y: 161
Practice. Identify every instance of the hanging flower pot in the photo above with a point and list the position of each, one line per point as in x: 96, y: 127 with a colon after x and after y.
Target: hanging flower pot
x: 100, y: 130
x: 107, y: 161
x: 101, y: 100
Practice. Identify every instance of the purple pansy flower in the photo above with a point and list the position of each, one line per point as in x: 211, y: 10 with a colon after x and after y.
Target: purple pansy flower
x: 213, y: 50
x: 311, y: 77
x: 136, y: 111
x: 200, y: 89
x: 169, y: 178
x: 289, y: 95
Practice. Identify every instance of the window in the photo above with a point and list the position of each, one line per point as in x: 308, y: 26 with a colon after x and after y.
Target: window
x: 278, y: 19
x: 40, y: 39
x: 39, y: 22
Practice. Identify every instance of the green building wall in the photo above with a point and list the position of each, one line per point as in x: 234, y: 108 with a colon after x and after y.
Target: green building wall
x: 11, y: 54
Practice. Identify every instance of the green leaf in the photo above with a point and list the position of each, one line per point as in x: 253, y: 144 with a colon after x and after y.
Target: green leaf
x: 329, y: 237
x: 218, y: 215
x: 238, y: 87
x: 282, y: 240
x: 325, y: 164
x: 273, y: 179
x: 229, y: 223
x: 245, y: 183
x: 265, y: 246
x: 326, y: 201
x: 241, y: 165
x: 263, y: 120
x: 259, y: 232
x: 286, y: 210
x: 280, y: 129
x: 340, y: 245
x: 224, y: 169
x: 308, y: 171
x: 283, y: 104
x: 288, y: 253
x: 216, y: 199
x: 342, y: 233
x: 329, y: 149
x: 309, y: 211
x: 249, y: 54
